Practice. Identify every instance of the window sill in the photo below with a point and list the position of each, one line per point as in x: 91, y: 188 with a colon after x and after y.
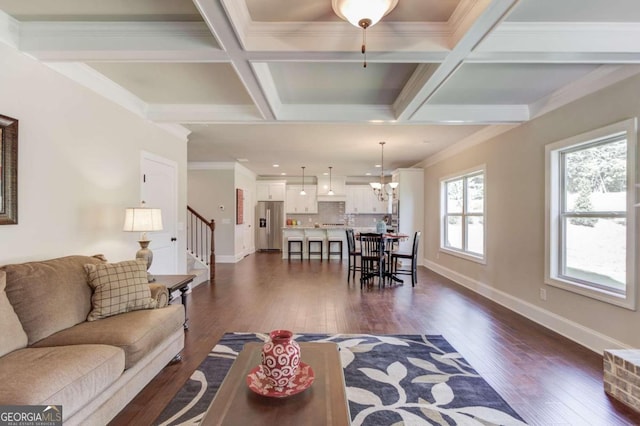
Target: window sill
x: 627, y: 302
x: 464, y: 255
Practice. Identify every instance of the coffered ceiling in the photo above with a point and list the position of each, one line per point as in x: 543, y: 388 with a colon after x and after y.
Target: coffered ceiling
x: 275, y: 82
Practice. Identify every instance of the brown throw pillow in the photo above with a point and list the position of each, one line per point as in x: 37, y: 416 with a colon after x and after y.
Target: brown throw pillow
x: 118, y: 288
x: 13, y: 336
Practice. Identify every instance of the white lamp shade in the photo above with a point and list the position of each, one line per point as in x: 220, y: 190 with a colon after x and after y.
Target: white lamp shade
x: 141, y: 219
x: 376, y: 185
x: 393, y: 185
x: 355, y: 10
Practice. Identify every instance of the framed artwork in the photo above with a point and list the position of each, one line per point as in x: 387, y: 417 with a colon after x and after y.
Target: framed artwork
x: 8, y: 170
x: 239, y: 206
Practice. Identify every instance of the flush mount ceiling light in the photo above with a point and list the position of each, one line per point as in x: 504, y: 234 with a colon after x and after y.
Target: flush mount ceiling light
x: 363, y: 14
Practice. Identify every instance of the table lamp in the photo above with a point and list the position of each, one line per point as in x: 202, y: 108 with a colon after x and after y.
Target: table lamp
x: 143, y: 219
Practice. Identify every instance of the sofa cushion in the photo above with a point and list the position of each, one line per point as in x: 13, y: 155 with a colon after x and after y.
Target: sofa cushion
x: 118, y: 288
x: 136, y: 332
x: 51, y: 295
x: 12, y: 335
x: 70, y: 376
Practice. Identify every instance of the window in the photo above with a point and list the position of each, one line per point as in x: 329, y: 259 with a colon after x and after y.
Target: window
x: 590, y: 220
x: 463, y: 230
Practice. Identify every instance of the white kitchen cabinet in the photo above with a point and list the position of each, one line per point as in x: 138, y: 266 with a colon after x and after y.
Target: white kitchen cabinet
x: 301, y: 204
x: 337, y: 184
x: 362, y: 200
x: 270, y: 191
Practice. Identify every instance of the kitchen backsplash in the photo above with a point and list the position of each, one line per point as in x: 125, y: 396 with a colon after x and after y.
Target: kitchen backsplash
x: 332, y: 213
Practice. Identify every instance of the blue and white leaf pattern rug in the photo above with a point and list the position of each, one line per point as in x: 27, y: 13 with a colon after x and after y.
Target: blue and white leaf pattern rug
x: 390, y: 380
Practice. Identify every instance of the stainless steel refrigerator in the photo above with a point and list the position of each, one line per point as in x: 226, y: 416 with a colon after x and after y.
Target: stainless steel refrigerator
x: 270, y: 216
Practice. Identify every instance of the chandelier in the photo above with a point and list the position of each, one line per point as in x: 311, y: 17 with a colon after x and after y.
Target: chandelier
x: 383, y: 191
x: 363, y: 14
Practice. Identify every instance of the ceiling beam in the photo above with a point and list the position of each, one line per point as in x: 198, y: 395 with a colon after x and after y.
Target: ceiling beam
x: 479, y: 24
x: 216, y: 19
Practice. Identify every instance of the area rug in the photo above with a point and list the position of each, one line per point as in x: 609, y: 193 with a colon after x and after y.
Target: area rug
x: 390, y: 380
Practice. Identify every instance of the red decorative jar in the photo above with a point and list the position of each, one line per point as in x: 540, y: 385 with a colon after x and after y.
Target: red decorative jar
x: 280, y: 358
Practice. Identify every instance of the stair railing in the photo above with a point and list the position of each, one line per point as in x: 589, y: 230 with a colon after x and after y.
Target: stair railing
x: 201, y: 240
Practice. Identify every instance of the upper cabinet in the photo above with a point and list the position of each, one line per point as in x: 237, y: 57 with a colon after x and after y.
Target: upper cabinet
x: 337, y: 184
x: 362, y: 200
x: 301, y: 204
x: 270, y: 191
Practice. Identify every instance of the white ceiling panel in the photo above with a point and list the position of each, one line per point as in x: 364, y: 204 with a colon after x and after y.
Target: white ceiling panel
x: 342, y: 83
x: 178, y: 83
x: 507, y: 84
x: 576, y: 11
x: 101, y: 10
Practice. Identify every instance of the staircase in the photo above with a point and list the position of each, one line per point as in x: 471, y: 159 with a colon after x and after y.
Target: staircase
x: 201, y: 256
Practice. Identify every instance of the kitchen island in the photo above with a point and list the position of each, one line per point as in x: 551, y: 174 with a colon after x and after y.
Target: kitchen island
x: 323, y: 232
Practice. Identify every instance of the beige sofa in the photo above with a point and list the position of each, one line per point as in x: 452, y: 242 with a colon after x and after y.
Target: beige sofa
x: 50, y: 354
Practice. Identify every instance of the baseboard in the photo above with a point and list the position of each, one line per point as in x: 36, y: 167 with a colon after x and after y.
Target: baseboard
x: 580, y: 334
x: 226, y: 259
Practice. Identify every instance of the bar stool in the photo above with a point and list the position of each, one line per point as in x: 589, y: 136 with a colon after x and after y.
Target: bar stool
x: 291, y: 241
x: 317, y: 240
x: 337, y: 242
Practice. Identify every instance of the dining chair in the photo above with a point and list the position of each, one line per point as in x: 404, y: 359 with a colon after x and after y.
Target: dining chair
x: 372, y: 258
x: 354, y: 255
x: 412, y: 257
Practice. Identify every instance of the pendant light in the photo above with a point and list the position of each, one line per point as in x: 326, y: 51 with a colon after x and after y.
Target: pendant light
x: 302, y: 192
x: 330, y: 189
x: 383, y: 191
x: 363, y: 14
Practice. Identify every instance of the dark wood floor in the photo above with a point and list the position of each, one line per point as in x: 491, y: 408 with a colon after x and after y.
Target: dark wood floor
x: 546, y: 378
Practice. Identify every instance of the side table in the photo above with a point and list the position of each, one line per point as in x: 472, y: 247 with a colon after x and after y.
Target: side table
x: 174, y: 283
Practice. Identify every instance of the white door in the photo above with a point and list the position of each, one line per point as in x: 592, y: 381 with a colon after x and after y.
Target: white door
x: 248, y: 210
x: 159, y: 190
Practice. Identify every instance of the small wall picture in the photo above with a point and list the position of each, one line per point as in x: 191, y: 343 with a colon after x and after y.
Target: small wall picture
x: 239, y: 206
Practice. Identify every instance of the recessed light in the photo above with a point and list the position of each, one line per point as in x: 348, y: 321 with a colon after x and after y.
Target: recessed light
x: 326, y: 173
x: 283, y: 174
x: 243, y: 160
x: 378, y: 166
x: 276, y: 165
x: 367, y: 174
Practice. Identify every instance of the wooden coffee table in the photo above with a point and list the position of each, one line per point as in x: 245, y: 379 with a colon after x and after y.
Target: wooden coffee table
x: 324, y: 403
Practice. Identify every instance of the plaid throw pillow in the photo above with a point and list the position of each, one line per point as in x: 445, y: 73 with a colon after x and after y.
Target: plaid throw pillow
x: 118, y: 288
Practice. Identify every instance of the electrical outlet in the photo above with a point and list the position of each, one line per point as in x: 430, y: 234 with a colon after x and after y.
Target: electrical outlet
x: 543, y: 293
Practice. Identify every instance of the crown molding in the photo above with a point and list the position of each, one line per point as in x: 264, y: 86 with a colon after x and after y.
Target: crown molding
x: 90, y: 78
x: 9, y: 30
x: 210, y: 165
x: 242, y: 170
x: 199, y: 113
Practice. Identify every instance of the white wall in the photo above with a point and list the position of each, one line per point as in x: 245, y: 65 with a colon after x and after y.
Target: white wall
x: 514, y: 273
x: 208, y: 189
x: 78, y: 166
x: 212, y: 185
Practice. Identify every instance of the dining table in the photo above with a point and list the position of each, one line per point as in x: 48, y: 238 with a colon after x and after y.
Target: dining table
x: 390, y: 240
